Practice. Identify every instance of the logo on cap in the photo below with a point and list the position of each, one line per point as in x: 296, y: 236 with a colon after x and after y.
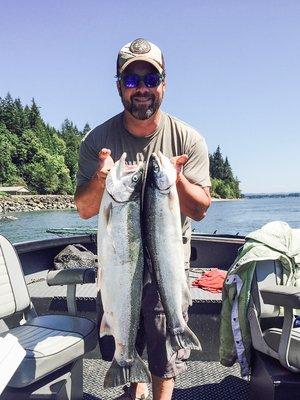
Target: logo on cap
x: 140, y: 46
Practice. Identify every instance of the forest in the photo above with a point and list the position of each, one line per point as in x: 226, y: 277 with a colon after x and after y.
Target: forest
x: 44, y: 159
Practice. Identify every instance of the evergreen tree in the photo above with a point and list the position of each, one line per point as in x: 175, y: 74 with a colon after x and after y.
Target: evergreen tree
x: 217, y: 169
x: 34, y: 116
x: 23, y: 118
x: 86, y: 129
x: 11, y: 114
x: 227, y: 171
x: 8, y: 171
x: 33, y: 152
x: 224, y: 184
x: 72, y: 138
x: 26, y: 114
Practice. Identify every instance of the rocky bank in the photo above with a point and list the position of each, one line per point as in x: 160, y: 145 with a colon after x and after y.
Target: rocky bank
x: 18, y: 203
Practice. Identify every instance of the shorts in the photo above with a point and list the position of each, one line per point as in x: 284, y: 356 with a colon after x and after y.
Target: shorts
x: 152, y: 334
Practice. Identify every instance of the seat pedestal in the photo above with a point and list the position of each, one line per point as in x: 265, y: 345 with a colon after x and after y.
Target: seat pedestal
x: 270, y: 381
x: 64, y: 384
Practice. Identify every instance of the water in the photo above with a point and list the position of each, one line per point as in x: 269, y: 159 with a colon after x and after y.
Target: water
x: 246, y: 215
x: 230, y: 217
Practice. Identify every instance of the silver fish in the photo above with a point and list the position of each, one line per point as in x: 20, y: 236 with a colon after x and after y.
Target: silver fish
x: 120, y: 272
x: 163, y: 238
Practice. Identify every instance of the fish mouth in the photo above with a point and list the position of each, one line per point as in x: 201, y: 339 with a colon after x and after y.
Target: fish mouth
x: 123, y: 168
x: 161, y: 172
x: 123, y: 181
x: 152, y: 170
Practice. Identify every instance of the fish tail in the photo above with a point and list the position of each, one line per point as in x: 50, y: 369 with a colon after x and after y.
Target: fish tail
x: 139, y: 371
x: 185, y: 340
x: 120, y: 375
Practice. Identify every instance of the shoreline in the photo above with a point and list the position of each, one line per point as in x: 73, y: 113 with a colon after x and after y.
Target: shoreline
x: 213, y: 199
x: 25, y: 203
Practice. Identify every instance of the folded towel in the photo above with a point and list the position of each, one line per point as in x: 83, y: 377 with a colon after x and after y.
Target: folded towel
x: 211, y: 280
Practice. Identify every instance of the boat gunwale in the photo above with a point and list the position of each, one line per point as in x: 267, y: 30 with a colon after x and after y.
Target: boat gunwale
x: 40, y: 244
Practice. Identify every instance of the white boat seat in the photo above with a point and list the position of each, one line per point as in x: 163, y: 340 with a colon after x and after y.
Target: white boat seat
x: 50, y: 341
x: 53, y: 343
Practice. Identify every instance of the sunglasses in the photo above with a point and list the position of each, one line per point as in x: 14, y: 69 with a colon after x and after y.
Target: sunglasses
x: 151, y: 80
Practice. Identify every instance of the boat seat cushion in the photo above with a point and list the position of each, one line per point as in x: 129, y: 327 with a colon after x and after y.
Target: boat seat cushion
x: 272, y: 337
x: 51, y: 341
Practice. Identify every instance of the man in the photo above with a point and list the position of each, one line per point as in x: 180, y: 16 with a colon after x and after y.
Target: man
x: 143, y: 128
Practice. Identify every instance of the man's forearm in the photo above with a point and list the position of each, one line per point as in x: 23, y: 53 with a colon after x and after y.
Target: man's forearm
x: 194, y: 200
x: 88, y: 197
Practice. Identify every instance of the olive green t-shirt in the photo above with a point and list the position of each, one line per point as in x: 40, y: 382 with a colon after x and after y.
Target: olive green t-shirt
x: 172, y: 137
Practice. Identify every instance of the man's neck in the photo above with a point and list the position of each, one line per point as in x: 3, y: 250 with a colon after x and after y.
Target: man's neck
x: 142, y: 128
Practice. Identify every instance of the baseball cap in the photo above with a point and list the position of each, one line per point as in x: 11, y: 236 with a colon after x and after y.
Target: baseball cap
x: 140, y: 50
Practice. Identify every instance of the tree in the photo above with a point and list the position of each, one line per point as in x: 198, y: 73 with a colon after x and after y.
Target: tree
x: 35, y: 153
x: 217, y: 167
x: 48, y: 174
x: 34, y: 116
x: 22, y: 118
x: 86, y: 129
x: 227, y: 171
x: 12, y: 115
x: 8, y: 171
x: 72, y: 139
x: 224, y: 184
x: 27, y: 146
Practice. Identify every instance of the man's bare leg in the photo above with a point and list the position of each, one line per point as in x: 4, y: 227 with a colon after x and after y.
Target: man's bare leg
x: 140, y: 389
x: 136, y: 390
x: 162, y: 388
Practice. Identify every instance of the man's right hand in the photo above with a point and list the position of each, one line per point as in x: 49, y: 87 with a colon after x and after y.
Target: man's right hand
x: 88, y: 197
x: 105, y: 164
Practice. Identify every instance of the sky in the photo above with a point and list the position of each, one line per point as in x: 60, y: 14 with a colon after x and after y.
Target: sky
x: 233, y: 71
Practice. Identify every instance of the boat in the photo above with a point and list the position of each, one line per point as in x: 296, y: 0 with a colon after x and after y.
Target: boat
x: 205, y: 378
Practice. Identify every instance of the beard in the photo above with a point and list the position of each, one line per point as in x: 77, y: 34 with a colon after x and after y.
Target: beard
x: 142, y: 111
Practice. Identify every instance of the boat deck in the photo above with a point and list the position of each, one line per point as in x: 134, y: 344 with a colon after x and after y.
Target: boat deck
x: 205, y: 377
x: 38, y: 288
x: 203, y: 380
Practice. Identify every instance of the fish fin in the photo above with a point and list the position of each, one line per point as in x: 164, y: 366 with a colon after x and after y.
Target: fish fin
x: 139, y: 371
x: 185, y: 340
x: 120, y: 165
x: 106, y: 220
x: 107, y: 216
x: 186, y: 295
x: 135, y: 372
x: 104, y: 327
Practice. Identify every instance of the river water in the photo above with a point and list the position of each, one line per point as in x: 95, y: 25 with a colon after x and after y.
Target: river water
x: 230, y: 217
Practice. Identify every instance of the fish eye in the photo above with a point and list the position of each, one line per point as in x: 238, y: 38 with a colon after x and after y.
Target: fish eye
x: 155, y: 167
x: 135, y: 178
